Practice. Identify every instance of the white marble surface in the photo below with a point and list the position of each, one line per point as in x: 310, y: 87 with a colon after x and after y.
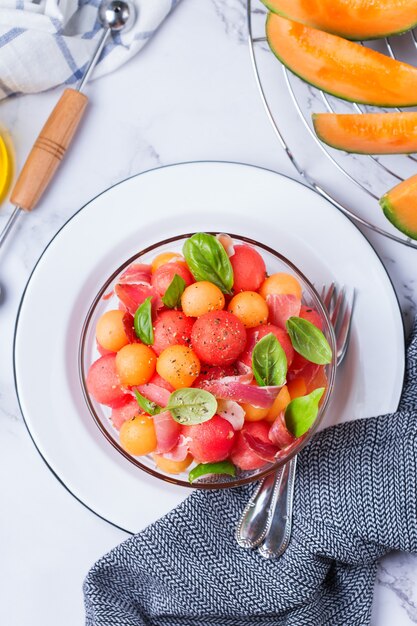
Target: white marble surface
x: 190, y: 95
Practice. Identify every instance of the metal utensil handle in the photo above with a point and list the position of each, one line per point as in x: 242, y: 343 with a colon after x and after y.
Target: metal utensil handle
x: 278, y: 537
x: 256, y: 518
x: 9, y: 224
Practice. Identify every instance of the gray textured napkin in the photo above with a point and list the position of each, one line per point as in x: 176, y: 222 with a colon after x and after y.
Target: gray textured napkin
x: 355, y: 500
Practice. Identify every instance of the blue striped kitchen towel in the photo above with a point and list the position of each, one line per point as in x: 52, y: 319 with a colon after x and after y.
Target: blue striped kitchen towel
x: 45, y: 43
x: 355, y: 500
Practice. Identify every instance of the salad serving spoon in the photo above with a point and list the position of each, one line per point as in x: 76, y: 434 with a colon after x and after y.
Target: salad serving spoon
x: 267, y: 518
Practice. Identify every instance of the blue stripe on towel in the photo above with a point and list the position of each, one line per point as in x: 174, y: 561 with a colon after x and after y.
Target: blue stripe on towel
x: 77, y: 72
x: 10, y: 35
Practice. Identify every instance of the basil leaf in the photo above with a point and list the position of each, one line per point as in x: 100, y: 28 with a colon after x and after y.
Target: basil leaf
x: 172, y: 296
x: 208, y: 260
x: 269, y: 363
x: 301, y: 412
x: 309, y: 341
x: 146, y: 405
x: 192, y: 406
x: 203, y: 469
x: 143, y: 322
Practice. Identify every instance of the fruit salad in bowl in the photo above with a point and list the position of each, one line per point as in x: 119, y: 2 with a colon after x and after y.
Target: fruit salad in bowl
x: 207, y: 360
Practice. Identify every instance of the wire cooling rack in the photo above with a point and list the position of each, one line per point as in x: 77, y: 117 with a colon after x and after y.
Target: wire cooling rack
x: 355, y: 182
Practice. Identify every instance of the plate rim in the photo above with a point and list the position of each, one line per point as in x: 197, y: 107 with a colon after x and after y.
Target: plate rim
x: 91, y: 200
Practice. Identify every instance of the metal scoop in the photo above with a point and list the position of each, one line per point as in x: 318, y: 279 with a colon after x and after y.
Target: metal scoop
x: 51, y: 145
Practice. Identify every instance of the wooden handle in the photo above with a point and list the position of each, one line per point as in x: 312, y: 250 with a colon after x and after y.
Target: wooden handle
x: 49, y: 149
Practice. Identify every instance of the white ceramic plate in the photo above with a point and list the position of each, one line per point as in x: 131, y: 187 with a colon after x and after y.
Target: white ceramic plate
x: 145, y: 209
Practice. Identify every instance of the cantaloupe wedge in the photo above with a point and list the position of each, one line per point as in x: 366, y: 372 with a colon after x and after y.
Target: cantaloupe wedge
x: 352, y: 19
x: 340, y: 67
x: 369, y: 133
x: 400, y: 206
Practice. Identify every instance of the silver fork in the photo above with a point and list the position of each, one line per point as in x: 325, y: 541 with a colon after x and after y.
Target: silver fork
x: 267, y: 518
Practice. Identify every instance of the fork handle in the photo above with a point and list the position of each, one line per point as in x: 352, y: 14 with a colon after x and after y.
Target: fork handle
x: 49, y: 149
x: 256, y: 518
x: 279, y: 534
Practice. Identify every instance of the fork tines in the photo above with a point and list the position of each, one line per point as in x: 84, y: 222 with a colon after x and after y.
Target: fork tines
x: 339, y: 301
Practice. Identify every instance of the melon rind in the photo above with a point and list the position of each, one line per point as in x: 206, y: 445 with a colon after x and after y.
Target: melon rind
x: 390, y: 213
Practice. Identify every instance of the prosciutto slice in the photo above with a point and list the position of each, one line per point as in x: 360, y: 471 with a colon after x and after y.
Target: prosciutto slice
x: 132, y: 296
x: 167, y: 432
x: 282, y: 307
x: 265, y: 451
x: 309, y: 372
x: 232, y: 412
x: 134, y: 286
x: 231, y: 389
x: 180, y: 451
x: 129, y: 327
x: 136, y: 274
x: 286, y: 451
x: 227, y: 243
x: 279, y: 434
x: 237, y: 388
x: 154, y: 393
x: 282, y: 442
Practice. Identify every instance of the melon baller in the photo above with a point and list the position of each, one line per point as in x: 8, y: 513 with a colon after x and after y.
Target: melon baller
x: 59, y: 129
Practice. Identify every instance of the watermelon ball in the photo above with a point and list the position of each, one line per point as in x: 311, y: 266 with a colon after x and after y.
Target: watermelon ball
x: 311, y: 315
x: 256, y: 334
x: 103, y: 382
x: 248, y: 269
x: 242, y: 455
x: 171, y: 328
x: 211, y: 441
x: 162, y: 277
x: 214, y: 372
x: 218, y: 338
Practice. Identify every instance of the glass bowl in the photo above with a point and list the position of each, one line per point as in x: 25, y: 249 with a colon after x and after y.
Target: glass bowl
x: 105, y: 300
